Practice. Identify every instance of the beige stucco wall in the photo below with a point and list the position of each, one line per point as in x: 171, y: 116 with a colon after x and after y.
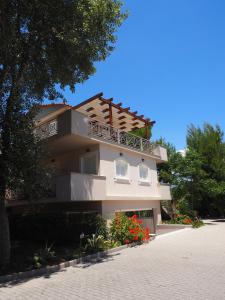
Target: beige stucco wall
x: 110, y: 207
x: 132, y: 190
x: 76, y: 187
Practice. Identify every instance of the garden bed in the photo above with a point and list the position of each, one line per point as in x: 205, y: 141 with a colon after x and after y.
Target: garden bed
x: 26, y: 273
x: 23, y: 252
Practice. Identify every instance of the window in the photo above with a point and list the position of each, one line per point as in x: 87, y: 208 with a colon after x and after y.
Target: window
x: 144, y: 174
x: 89, y: 163
x: 121, y: 166
x: 140, y: 213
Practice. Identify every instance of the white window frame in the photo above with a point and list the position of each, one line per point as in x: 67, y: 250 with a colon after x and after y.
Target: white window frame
x: 125, y: 179
x: 143, y: 181
x: 89, y: 154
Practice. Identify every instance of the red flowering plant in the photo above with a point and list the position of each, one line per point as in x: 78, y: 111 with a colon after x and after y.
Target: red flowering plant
x: 128, y: 229
x: 181, y: 219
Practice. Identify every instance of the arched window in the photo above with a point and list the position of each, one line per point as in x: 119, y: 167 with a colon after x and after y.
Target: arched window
x: 121, y: 166
x: 143, y: 173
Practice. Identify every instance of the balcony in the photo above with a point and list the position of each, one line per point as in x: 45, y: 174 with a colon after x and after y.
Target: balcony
x: 47, y: 130
x: 77, y: 186
x: 164, y: 191
x: 74, y: 123
x: 116, y: 136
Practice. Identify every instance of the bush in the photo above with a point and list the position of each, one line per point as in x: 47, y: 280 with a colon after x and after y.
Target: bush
x: 180, y: 219
x: 186, y: 220
x: 197, y: 223
x: 128, y: 229
x: 95, y: 243
x: 43, y: 256
x: 96, y: 224
x: 57, y: 228
x: 184, y: 207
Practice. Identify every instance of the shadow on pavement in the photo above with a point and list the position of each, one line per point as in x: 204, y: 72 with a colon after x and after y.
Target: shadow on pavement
x: 220, y: 220
x: 103, y: 258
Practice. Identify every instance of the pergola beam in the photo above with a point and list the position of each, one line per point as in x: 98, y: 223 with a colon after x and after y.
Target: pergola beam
x: 112, y: 116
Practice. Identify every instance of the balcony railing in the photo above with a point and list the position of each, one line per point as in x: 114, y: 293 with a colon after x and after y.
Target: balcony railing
x: 47, y: 130
x: 119, y: 137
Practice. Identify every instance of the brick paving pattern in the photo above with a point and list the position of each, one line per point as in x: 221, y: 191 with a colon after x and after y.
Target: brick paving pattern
x: 189, y: 264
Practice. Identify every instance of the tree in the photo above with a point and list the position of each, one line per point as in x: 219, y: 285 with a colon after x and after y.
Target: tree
x: 207, y: 185
x: 43, y: 44
x: 169, y: 172
x: 198, y: 179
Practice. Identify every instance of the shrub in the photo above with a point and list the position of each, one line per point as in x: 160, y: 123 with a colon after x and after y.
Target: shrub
x: 186, y: 220
x: 43, y: 256
x: 197, y: 223
x: 128, y: 229
x: 180, y: 219
x: 96, y: 224
x: 95, y: 243
x: 57, y: 228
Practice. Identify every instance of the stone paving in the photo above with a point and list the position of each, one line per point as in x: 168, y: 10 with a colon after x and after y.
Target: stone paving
x: 187, y: 264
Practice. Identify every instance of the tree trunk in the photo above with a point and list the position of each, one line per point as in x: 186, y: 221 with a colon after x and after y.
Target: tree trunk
x: 4, y: 223
x: 4, y: 236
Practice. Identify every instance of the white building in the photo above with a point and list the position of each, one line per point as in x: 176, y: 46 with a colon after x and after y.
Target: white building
x: 100, y: 164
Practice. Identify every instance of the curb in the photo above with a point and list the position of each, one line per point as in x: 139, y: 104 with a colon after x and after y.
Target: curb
x: 51, y: 269
x: 174, y: 225
x: 172, y: 233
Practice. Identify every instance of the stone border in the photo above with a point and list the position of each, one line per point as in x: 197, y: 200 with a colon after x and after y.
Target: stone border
x: 51, y: 269
x: 173, y: 225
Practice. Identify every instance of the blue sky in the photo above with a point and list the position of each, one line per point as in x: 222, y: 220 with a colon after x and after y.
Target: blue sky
x: 169, y: 64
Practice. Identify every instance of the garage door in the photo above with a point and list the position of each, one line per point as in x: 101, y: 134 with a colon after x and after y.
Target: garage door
x: 147, y: 216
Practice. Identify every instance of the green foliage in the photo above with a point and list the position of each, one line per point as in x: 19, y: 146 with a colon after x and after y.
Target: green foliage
x: 184, y: 207
x: 206, y: 153
x: 126, y: 230
x: 112, y: 244
x: 180, y: 219
x: 45, y: 47
x: 95, y: 243
x: 197, y: 223
x: 197, y: 179
x: 97, y: 225
x: 43, y: 256
x: 44, y: 44
x: 119, y: 228
x: 141, y: 132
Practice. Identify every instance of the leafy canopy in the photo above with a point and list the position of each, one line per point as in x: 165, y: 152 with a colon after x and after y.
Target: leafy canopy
x: 44, y: 44
x: 197, y: 179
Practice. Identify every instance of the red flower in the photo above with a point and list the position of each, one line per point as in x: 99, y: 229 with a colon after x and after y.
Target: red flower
x: 126, y: 241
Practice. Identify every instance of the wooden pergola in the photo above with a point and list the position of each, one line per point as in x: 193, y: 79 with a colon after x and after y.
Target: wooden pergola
x: 106, y: 111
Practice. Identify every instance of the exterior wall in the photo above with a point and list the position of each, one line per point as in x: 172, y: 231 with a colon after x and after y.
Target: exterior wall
x: 87, y: 187
x: 72, y: 122
x: 110, y: 207
x: 161, y: 152
x: 164, y: 190
x: 76, y: 187
x: 79, y: 123
x: 131, y: 190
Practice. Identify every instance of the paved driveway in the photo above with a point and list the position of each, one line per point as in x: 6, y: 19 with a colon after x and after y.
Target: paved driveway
x: 188, y: 264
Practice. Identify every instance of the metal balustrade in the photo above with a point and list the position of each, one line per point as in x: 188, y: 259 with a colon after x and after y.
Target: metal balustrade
x: 103, y: 132
x: 47, y: 130
x: 117, y: 136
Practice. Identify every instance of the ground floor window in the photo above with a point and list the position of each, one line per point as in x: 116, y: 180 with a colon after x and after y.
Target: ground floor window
x: 140, y: 213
